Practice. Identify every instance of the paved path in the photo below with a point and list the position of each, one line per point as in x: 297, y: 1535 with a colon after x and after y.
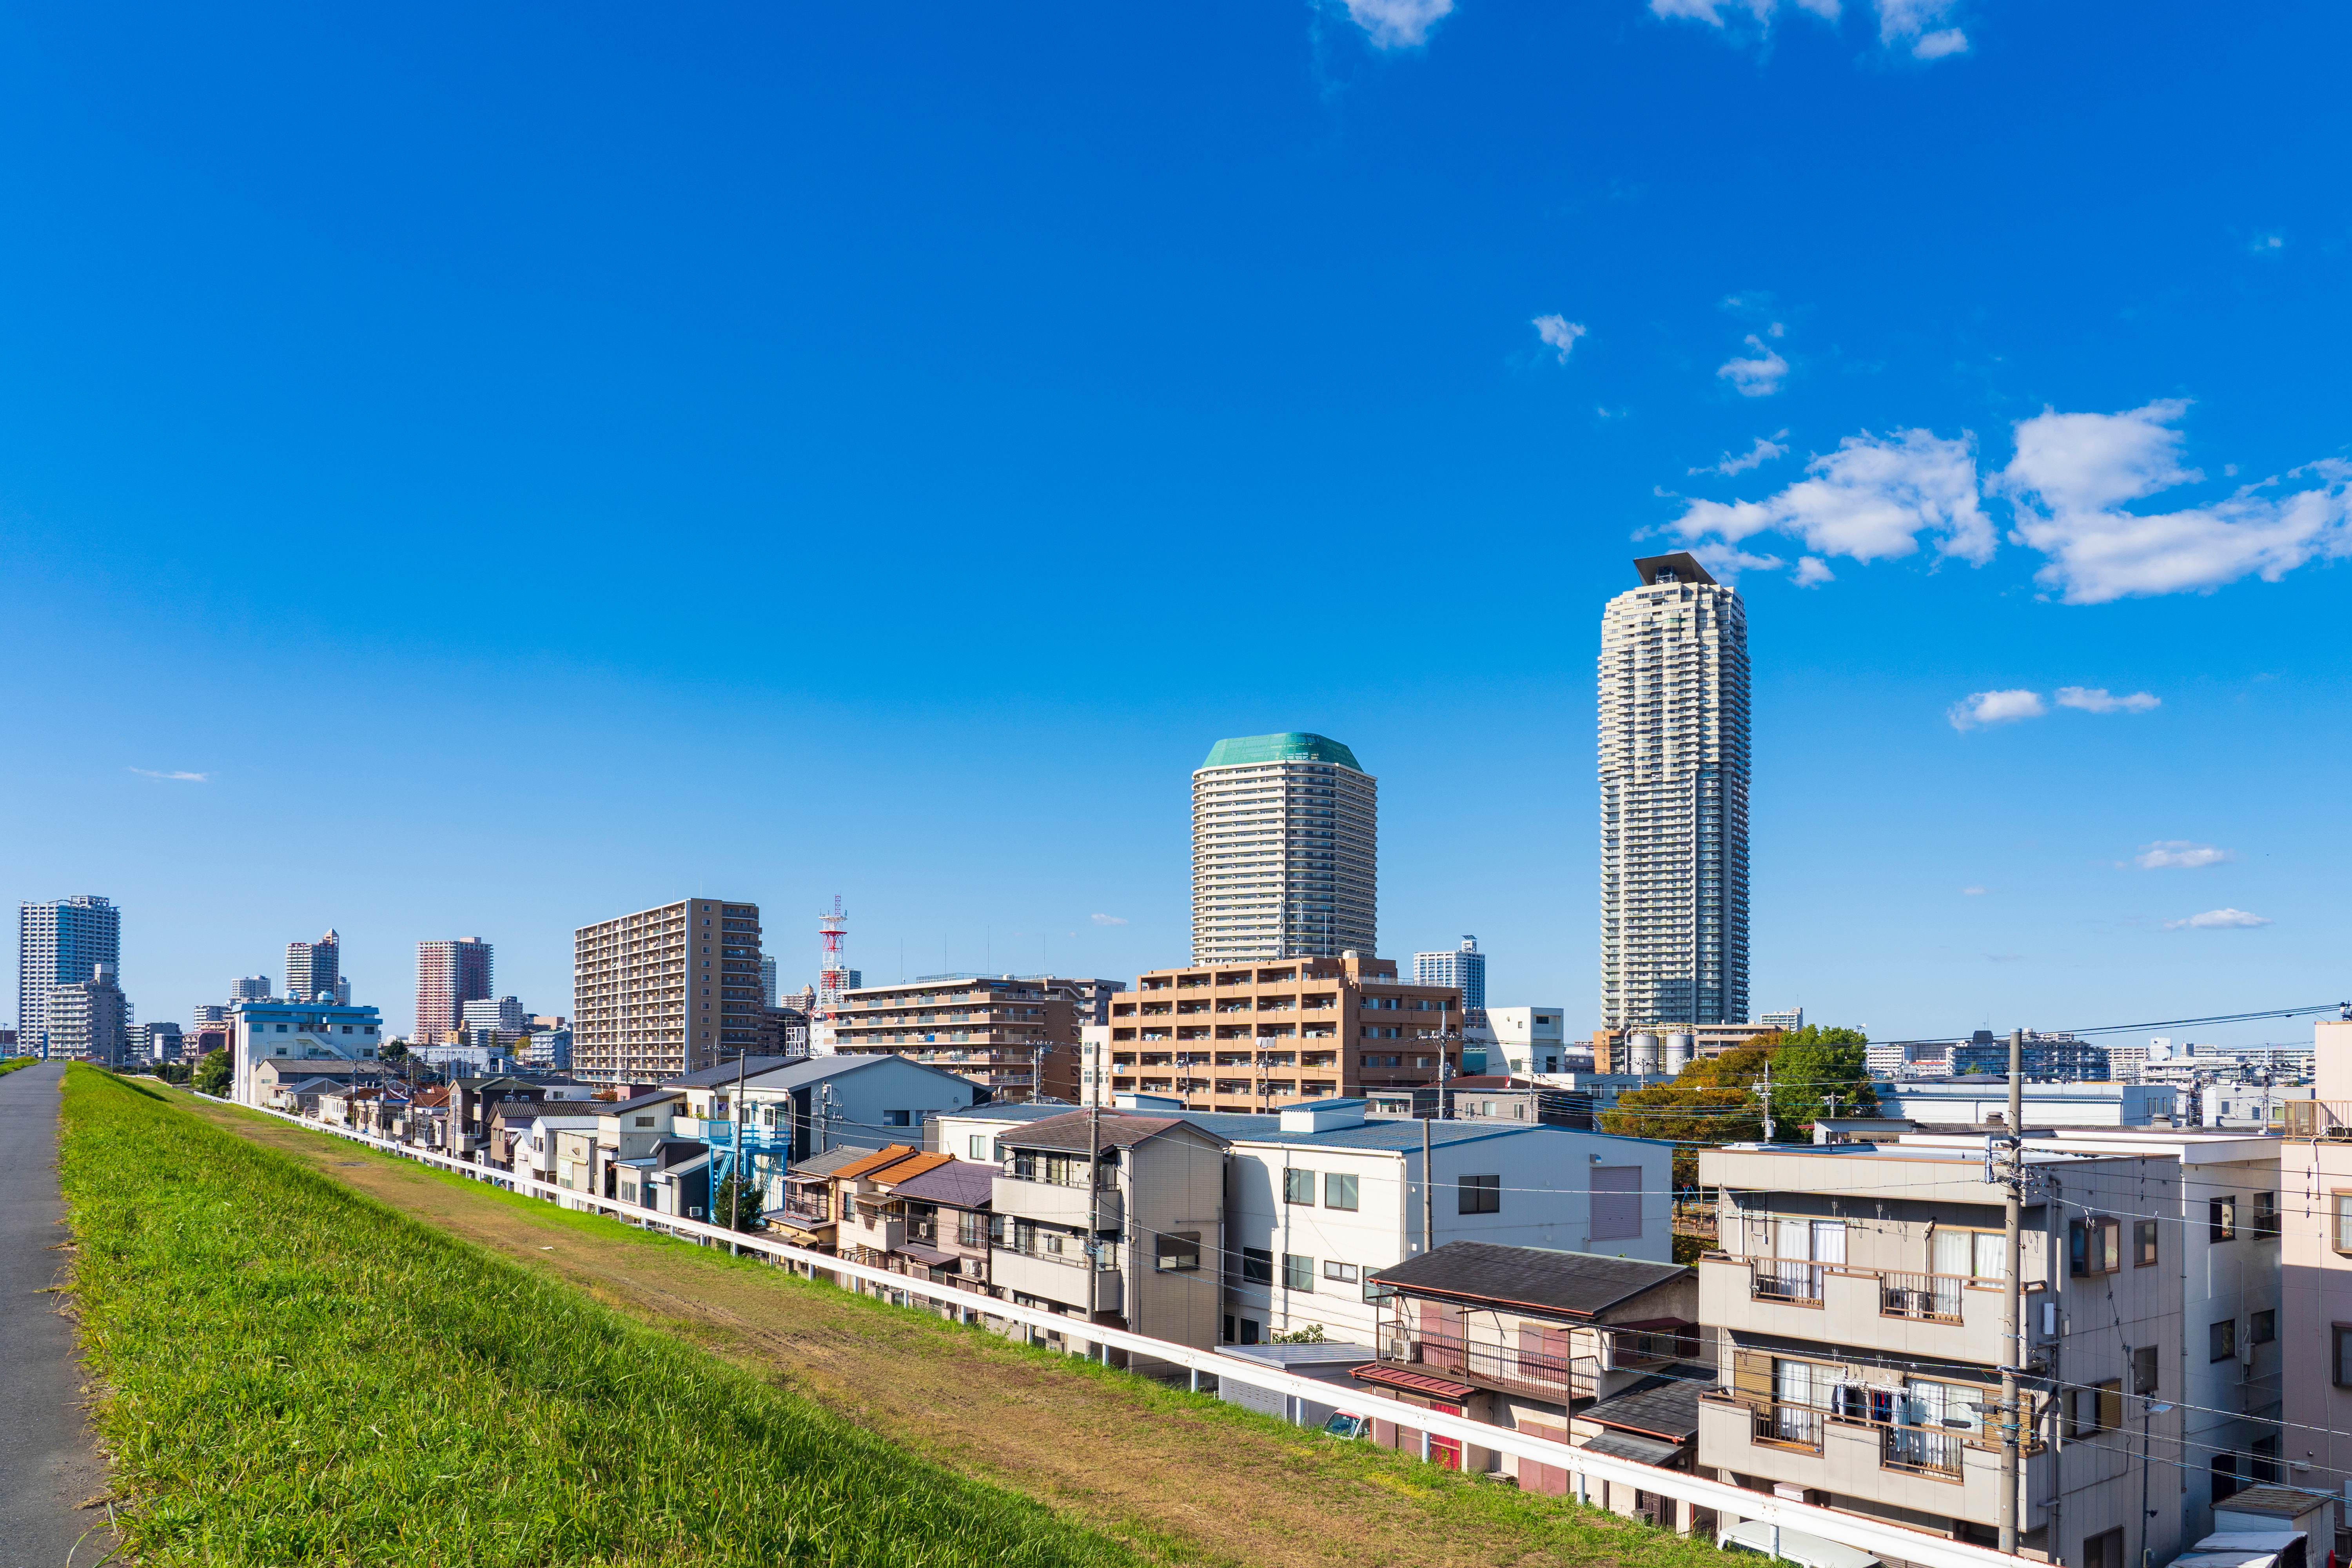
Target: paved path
x: 48, y: 1462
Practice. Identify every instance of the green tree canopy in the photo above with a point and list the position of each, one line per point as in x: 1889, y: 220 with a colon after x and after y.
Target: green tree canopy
x: 212, y: 1073
x: 1718, y: 1100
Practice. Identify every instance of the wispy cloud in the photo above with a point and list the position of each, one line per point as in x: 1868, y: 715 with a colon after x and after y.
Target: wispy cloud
x: 1905, y: 26
x: 1759, y: 376
x: 2179, y: 854
x: 1398, y: 23
x: 2217, y: 920
x: 1560, y: 333
x: 1980, y: 707
x: 174, y: 777
x: 1107, y: 920
x: 1766, y: 448
x: 1973, y: 892
x: 1812, y: 572
x: 2099, y: 700
x: 1871, y: 499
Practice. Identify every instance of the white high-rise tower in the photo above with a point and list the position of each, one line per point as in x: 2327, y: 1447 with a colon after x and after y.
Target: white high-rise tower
x: 1285, y: 851
x: 1674, y: 799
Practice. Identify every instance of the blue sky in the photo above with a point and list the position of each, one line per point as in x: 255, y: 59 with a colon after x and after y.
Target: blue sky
x: 477, y: 470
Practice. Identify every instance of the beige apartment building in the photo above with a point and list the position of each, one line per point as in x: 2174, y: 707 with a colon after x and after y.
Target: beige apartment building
x: 666, y: 991
x: 1859, y: 1304
x: 2315, y: 1278
x: 1670, y: 1047
x: 1014, y: 1036
x: 1252, y: 1038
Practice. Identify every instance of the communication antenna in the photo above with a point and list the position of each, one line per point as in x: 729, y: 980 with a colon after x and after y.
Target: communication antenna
x: 832, y: 969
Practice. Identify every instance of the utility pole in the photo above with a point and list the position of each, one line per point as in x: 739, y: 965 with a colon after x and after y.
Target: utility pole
x: 1428, y: 1191
x: 1094, y: 1206
x: 1767, y: 1097
x: 735, y: 1197
x: 2013, y: 1297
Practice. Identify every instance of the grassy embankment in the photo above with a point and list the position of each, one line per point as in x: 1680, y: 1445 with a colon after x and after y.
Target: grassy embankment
x: 14, y: 1063
x: 293, y: 1372
x: 1196, y: 1477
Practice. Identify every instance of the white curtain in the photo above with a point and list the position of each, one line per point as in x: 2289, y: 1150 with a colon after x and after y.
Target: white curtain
x: 1952, y: 1253
x: 1796, y: 1239
x: 1993, y: 1255
x: 1828, y: 1241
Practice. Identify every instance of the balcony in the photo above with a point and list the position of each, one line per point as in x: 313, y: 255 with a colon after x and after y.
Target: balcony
x: 1493, y: 1365
x: 1939, y: 1317
x: 2329, y: 1119
x: 1050, y: 1202
x: 1944, y: 1474
x: 1073, y: 1283
x: 870, y: 1225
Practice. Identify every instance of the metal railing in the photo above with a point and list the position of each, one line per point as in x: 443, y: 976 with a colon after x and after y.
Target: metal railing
x: 2317, y: 1117
x: 1879, y: 1537
x: 1921, y: 1449
x: 1787, y: 1425
x: 1562, y: 1377
x: 1785, y: 1279
x: 1934, y: 1297
x: 1642, y: 1348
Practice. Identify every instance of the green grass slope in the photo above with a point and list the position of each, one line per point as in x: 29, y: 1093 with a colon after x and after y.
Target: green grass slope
x: 295, y: 1374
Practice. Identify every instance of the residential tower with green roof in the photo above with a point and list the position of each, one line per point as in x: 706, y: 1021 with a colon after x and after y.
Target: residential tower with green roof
x: 1285, y: 839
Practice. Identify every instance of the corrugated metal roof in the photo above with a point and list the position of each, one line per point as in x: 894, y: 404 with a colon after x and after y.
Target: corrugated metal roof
x: 1114, y: 1130
x: 1576, y: 1284
x: 887, y: 1156
x: 832, y: 1160
x: 1627, y: 1446
x: 913, y: 1168
x: 1662, y: 1406
x: 1419, y: 1383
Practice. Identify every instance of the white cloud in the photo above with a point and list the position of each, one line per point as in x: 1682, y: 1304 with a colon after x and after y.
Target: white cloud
x: 1558, y: 332
x: 1812, y: 572
x: 2072, y: 472
x: 175, y: 777
x: 1973, y: 892
x: 2099, y: 700
x: 1944, y: 41
x: 1764, y: 451
x: 2217, y: 920
x: 1757, y: 377
x: 1994, y: 708
x: 1869, y: 499
x: 2179, y: 854
x: 1902, y: 24
x: 1395, y: 24
x: 1107, y: 920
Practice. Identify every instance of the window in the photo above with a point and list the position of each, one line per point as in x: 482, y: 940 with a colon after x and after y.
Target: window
x: 1479, y: 1195
x: 2343, y: 1221
x: 2144, y: 1370
x: 1343, y: 1272
x: 1297, y: 1273
x: 897, y: 1119
x: 2092, y: 1246
x: 971, y: 1229
x: 2225, y: 1476
x: 281, y: 1028
x: 2266, y: 1217
x: 1339, y: 1190
x: 1257, y: 1267
x: 2098, y: 1408
x: 1180, y: 1251
x: 645, y: 1121
x: 2266, y: 1466
x: 1617, y: 1205
x: 2221, y: 1340
x: 2340, y: 1362
x: 2262, y: 1328
x: 1298, y: 1186
x: 2222, y: 1220
x: 2143, y: 1243
x: 978, y: 1148
x: 2104, y: 1550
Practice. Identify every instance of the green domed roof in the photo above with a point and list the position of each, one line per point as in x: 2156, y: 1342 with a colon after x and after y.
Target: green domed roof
x: 1293, y: 747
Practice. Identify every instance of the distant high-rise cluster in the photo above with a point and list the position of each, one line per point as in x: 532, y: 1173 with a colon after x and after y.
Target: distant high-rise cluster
x: 1285, y: 851
x: 1674, y: 799
x: 314, y: 970
x: 449, y: 974
x: 60, y: 943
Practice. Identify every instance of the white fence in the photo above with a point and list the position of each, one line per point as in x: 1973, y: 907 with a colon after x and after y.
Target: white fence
x: 1583, y: 1466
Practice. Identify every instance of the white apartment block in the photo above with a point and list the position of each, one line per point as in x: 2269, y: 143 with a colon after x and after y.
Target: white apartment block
x: 58, y: 942
x: 666, y: 991
x: 1284, y: 829
x: 1674, y: 799
x: 1523, y: 1041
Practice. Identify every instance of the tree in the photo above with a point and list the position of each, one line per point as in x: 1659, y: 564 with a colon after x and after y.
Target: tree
x: 736, y: 1203
x: 1814, y: 1066
x: 212, y: 1073
x: 1720, y: 1100
x: 394, y: 1051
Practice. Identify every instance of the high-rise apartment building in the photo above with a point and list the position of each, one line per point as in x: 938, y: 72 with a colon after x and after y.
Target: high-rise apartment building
x: 1285, y: 833
x: 768, y: 981
x: 1464, y: 969
x: 90, y: 1020
x: 58, y: 942
x: 312, y: 967
x: 448, y: 975
x: 248, y: 988
x: 501, y: 1015
x: 666, y: 991
x: 1790, y: 1018
x: 1674, y: 799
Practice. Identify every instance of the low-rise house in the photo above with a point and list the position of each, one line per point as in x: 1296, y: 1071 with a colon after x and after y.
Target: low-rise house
x: 806, y: 1215
x: 1525, y: 1337
x: 949, y: 1223
x: 588, y: 1160
x: 531, y: 1147
x: 475, y: 1103
x: 798, y: 1109
x: 1321, y: 1361
x: 276, y: 1075
x: 1655, y: 1422
x: 673, y: 1178
x: 873, y: 1227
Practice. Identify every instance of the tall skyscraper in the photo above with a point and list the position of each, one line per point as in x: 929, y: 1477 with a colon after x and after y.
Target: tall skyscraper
x: 312, y: 967
x: 768, y: 981
x: 58, y: 942
x: 449, y: 974
x: 666, y: 991
x: 1464, y: 969
x: 1284, y: 835
x: 1674, y: 799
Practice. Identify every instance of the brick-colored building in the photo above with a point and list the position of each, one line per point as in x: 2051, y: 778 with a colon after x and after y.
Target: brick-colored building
x: 666, y: 991
x: 1015, y: 1036
x: 1249, y: 1037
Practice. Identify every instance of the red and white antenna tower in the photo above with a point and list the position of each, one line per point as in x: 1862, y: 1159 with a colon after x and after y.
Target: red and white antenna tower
x: 833, y: 972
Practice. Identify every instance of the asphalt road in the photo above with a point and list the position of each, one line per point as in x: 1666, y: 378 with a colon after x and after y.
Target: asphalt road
x: 47, y: 1460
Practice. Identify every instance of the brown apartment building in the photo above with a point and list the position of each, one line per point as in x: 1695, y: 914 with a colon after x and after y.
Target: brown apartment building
x: 1249, y: 1037
x: 666, y: 991
x: 1014, y: 1036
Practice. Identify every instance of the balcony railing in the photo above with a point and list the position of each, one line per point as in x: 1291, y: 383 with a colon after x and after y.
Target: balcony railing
x: 1785, y: 1279
x: 1921, y: 1449
x: 1558, y: 1377
x: 1787, y: 1425
x: 2319, y: 1118
x: 1934, y: 1297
